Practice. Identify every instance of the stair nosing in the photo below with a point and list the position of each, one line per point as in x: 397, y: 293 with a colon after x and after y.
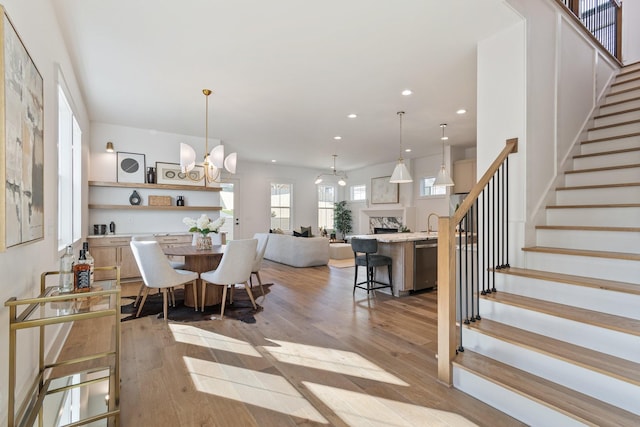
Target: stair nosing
x: 538, y: 382
x: 588, y: 228
x: 611, y: 138
x: 582, y: 252
x: 633, y: 79
x: 620, y: 92
x: 603, y: 169
x: 594, y: 318
x: 607, y: 153
x: 554, y: 348
x: 617, y: 113
x: 597, y: 186
x: 570, y: 279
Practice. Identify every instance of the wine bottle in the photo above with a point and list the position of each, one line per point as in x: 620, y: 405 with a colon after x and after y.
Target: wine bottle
x: 90, y: 260
x: 66, y: 271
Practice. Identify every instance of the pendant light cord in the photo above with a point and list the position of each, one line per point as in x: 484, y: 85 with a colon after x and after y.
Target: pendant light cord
x: 400, y: 113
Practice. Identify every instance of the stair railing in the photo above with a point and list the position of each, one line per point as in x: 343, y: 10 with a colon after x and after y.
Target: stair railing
x: 469, y: 252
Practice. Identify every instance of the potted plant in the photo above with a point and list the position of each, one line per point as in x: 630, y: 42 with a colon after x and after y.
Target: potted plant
x: 342, y: 218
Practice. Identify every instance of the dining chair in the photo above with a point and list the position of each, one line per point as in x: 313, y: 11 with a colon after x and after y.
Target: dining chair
x: 234, y: 268
x: 263, y: 239
x: 364, y: 252
x: 157, y: 272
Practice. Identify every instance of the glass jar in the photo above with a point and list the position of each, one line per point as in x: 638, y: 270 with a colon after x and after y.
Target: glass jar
x: 203, y: 243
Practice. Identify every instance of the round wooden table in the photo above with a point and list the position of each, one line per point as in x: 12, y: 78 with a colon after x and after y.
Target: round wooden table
x: 199, y: 260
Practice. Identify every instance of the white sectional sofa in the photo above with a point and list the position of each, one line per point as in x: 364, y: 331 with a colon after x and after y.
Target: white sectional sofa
x: 297, y: 251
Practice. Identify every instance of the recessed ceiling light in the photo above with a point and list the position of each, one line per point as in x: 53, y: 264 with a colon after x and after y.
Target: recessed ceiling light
x: 406, y: 92
x: 352, y: 116
x: 461, y: 111
x: 337, y: 137
x: 408, y: 150
x: 273, y: 161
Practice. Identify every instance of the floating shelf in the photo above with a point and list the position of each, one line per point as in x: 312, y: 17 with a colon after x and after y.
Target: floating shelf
x: 156, y: 208
x: 153, y: 186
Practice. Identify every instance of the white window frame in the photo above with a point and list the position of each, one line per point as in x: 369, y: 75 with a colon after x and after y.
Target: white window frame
x: 69, y: 172
x: 435, y: 191
x: 277, y: 206
x: 324, y: 210
x: 362, y: 188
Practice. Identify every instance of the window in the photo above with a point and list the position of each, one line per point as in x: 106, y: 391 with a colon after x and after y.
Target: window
x: 69, y: 174
x: 281, y: 206
x: 358, y: 193
x: 326, y: 200
x: 427, y: 188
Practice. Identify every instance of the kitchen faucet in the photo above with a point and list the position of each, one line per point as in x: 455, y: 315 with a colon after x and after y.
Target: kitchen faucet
x: 429, y: 221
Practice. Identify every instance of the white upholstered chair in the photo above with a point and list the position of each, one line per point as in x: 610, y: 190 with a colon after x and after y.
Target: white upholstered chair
x: 234, y: 268
x: 158, y: 273
x: 263, y: 239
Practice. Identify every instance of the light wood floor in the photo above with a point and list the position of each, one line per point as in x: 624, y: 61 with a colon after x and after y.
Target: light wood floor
x: 317, y: 355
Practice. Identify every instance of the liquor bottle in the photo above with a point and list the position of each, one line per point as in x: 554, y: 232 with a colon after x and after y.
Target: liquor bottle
x: 66, y: 271
x: 82, y: 274
x: 90, y: 259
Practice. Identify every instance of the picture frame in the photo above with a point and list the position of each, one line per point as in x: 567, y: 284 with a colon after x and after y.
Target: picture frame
x: 131, y: 167
x: 382, y: 191
x: 22, y: 146
x: 170, y: 173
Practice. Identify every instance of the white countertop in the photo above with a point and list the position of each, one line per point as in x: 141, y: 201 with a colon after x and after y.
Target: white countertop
x: 399, y: 237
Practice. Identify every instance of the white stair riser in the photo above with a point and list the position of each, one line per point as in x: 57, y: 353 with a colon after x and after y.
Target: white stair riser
x: 612, y: 176
x: 613, y: 131
x: 610, y: 145
x: 606, y: 160
x: 509, y: 402
x: 621, y: 106
x: 629, y: 71
x: 599, y: 339
x: 621, y: 96
x: 611, y: 241
x: 621, y: 217
x: 611, y: 302
x: 627, y: 83
x: 617, y: 118
x: 630, y: 194
x: 620, y: 270
x: 605, y: 388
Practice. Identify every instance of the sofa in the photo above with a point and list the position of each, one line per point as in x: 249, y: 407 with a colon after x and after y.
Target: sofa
x: 297, y: 251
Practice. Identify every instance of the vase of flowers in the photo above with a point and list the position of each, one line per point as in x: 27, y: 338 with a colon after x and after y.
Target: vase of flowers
x: 201, y: 228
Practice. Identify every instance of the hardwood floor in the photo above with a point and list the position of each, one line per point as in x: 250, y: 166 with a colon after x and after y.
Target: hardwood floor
x: 317, y: 355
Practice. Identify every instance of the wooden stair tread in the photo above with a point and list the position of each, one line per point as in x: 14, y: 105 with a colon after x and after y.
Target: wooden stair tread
x: 606, y: 153
x: 611, y: 138
x: 590, y: 317
x: 588, y: 228
x: 606, y: 364
x: 606, y: 205
x: 619, y: 92
x: 562, y: 399
x: 597, y: 186
x: 591, y: 282
x: 617, y: 113
x: 608, y: 168
x: 634, y: 79
x: 583, y: 252
x: 614, y: 125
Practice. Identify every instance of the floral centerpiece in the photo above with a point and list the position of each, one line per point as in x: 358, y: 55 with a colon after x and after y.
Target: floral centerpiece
x: 203, y: 226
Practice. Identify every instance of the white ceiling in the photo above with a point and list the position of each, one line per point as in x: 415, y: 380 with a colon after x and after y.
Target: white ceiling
x: 285, y: 73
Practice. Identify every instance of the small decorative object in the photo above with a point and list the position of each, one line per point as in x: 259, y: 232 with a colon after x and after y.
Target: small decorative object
x: 180, y: 201
x: 204, y: 226
x: 131, y: 167
x: 159, y: 200
x: 135, y: 198
x: 112, y: 227
x: 170, y: 173
x: 151, y: 175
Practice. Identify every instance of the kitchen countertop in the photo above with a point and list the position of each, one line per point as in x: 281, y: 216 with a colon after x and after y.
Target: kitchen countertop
x: 399, y: 237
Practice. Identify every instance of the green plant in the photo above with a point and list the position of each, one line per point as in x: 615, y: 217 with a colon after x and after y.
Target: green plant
x: 342, y: 218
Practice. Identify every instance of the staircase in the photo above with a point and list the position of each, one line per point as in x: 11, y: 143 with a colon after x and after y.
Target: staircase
x: 559, y: 343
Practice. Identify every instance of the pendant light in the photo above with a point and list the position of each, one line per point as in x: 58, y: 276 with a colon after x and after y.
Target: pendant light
x: 443, y: 179
x: 400, y: 174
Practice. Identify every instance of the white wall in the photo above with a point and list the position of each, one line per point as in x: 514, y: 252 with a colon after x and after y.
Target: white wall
x: 630, y: 31
x: 21, y: 266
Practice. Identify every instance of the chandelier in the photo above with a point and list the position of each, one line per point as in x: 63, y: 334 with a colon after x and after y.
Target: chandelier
x: 340, y: 175
x: 214, y: 161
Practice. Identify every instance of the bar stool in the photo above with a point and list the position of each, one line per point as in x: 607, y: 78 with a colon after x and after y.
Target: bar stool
x: 369, y: 259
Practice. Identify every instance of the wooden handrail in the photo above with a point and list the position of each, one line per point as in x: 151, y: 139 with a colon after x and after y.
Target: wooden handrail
x: 447, y: 267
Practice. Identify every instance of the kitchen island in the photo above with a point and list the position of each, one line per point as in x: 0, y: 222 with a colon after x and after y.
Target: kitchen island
x: 414, y: 258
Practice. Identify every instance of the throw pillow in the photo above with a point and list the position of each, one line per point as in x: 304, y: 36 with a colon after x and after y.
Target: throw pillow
x: 307, y: 229
x: 305, y: 234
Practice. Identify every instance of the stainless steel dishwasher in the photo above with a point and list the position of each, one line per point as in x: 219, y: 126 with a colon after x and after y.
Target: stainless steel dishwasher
x: 425, y: 265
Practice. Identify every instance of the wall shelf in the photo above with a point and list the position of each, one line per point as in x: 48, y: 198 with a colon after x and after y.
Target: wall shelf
x: 155, y: 208
x: 153, y: 186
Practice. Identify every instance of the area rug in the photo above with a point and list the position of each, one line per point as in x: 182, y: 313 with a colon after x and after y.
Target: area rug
x: 341, y: 263
x: 241, y: 309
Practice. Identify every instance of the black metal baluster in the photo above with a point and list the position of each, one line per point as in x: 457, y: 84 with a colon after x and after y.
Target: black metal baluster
x: 477, y: 246
x: 507, y: 265
x: 462, y: 315
x: 495, y: 235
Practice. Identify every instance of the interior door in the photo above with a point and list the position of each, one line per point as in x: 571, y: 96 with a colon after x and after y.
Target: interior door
x: 229, y: 202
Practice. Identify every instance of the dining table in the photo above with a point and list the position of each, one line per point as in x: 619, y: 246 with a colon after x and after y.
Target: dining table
x: 199, y: 260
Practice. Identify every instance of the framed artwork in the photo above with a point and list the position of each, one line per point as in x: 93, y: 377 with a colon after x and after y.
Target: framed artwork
x: 170, y: 173
x: 131, y: 167
x: 22, y: 146
x: 382, y: 191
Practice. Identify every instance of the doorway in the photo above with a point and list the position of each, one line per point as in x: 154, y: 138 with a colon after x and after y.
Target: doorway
x: 228, y: 202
